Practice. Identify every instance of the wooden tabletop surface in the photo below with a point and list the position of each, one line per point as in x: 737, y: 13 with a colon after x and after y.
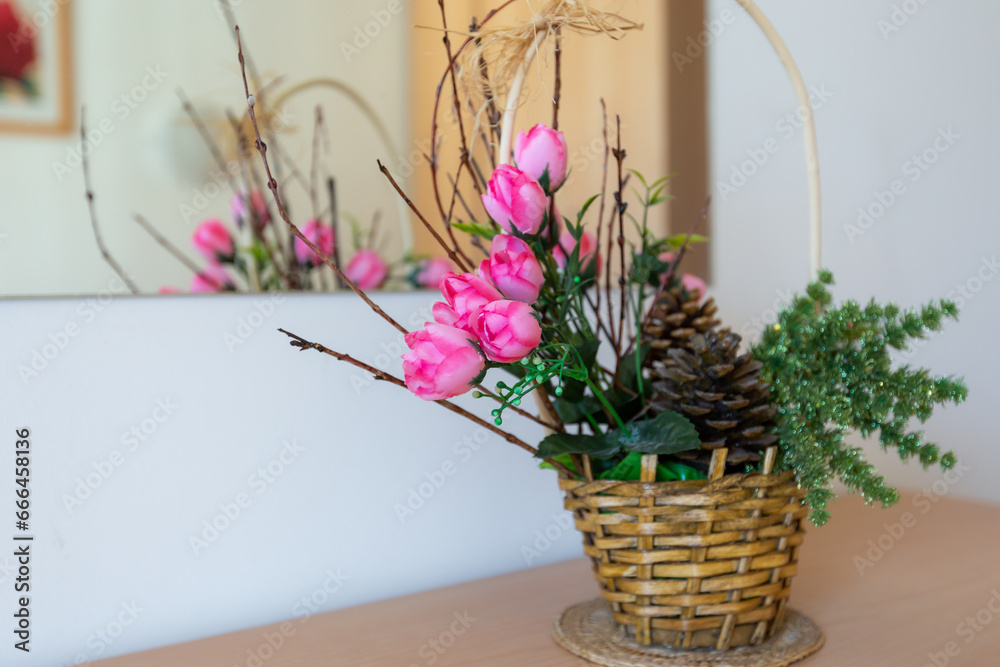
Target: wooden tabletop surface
x: 917, y: 584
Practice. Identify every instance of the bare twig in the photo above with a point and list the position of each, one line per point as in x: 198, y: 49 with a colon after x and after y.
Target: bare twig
x: 553, y: 223
x: 303, y: 344
x: 373, y: 228
x: 437, y: 237
x: 550, y: 410
x: 331, y: 186
x: 256, y: 231
x: 454, y: 79
x: 492, y: 114
x: 314, y: 165
x: 251, y: 179
x: 231, y: 20
x: 600, y: 225
x: 115, y: 266
x: 433, y: 158
x: 596, y: 308
x: 461, y: 199
x: 273, y: 187
x: 482, y: 181
x: 248, y: 227
x: 482, y: 135
x: 170, y: 247
x: 293, y: 171
x: 621, y: 206
x: 477, y: 243
x: 457, y: 106
x: 556, y: 92
x: 455, y: 194
x: 206, y: 136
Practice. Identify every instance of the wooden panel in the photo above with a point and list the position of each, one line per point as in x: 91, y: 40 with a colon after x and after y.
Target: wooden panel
x: 687, y: 126
x: 887, y: 588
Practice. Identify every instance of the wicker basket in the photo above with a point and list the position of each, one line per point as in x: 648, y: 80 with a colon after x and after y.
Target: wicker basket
x: 693, y: 564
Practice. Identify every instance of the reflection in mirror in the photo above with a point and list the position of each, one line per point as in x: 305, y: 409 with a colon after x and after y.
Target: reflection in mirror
x: 180, y: 200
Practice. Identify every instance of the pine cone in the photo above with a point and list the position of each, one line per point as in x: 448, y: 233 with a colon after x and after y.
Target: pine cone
x: 720, y: 391
x: 677, y: 316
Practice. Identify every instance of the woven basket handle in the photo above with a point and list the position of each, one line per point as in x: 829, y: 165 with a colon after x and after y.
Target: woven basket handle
x: 809, y: 133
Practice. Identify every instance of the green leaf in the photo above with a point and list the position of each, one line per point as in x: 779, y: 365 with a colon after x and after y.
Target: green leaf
x: 677, y: 240
x: 640, y: 177
x: 627, y: 367
x: 667, y: 433
x: 598, y: 446
x: 628, y: 470
x: 656, y: 193
x: 583, y: 211
x: 672, y: 470
x: 575, y: 412
x: 566, y: 460
x: 479, y: 378
x: 475, y: 229
x: 662, y: 179
x: 573, y: 390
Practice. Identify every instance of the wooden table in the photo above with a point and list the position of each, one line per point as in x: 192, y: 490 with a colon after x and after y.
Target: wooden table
x: 918, y: 584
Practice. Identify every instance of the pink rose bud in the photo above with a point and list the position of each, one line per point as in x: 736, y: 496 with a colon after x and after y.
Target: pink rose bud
x: 588, y: 248
x: 507, y: 331
x: 322, y: 237
x: 693, y: 283
x: 213, y: 278
x: 212, y: 241
x: 466, y: 295
x: 539, y: 151
x: 515, y: 200
x: 442, y: 362
x: 367, y: 270
x: 431, y: 271
x: 444, y: 314
x: 513, y: 269
x: 238, y: 208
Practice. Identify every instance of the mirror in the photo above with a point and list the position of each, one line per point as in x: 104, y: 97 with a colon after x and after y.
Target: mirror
x: 333, y: 97
x: 178, y: 185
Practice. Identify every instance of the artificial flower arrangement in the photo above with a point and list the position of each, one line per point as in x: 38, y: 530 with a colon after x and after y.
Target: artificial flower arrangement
x: 251, y: 254
x: 672, y: 440
x: 262, y: 262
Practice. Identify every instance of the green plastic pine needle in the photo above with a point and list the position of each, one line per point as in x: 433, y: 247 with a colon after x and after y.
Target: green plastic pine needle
x: 830, y: 371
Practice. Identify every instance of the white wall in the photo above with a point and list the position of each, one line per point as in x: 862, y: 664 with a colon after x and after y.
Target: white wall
x: 890, y: 93
x: 153, y: 161
x: 333, y: 506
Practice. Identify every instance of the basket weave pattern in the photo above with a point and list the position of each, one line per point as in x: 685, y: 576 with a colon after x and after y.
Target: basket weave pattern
x: 691, y: 564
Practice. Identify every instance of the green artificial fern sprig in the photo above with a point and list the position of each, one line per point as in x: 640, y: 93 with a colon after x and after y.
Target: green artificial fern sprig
x: 830, y: 371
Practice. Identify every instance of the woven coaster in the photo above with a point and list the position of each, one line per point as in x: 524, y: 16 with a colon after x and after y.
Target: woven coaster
x: 587, y: 630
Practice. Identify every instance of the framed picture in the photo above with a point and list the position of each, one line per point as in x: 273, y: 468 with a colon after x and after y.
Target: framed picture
x: 36, y: 80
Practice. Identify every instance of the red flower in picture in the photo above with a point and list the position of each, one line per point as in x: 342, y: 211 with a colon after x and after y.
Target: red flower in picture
x: 17, y: 43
